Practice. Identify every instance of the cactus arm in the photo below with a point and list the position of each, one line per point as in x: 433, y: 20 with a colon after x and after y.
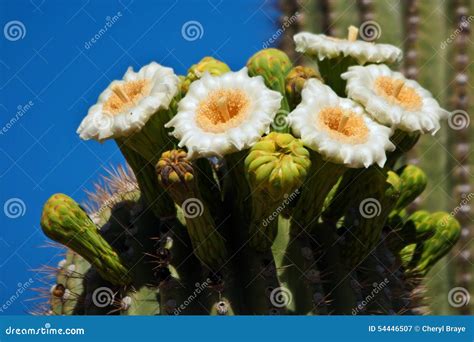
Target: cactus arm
x: 365, y: 226
x: 142, y: 302
x: 414, y: 182
x: 155, y: 196
x: 65, y: 222
x: 322, y: 176
x: 176, y: 286
x: 336, y: 280
x: 176, y: 175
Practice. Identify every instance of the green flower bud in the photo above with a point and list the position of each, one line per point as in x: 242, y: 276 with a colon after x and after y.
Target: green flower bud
x: 176, y: 174
x: 295, y: 81
x: 273, y: 65
x: 277, y: 165
x: 414, y: 182
x: 64, y: 221
x: 208, y: 64
x: 419, y: 258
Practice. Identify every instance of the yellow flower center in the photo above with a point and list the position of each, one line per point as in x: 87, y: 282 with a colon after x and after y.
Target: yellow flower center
x: 398, y: 92
x: 222, y: 109
x: 126, y: 95
x: 343, y: 125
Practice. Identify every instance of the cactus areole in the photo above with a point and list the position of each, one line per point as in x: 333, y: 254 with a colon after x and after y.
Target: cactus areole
x: 267, y: 190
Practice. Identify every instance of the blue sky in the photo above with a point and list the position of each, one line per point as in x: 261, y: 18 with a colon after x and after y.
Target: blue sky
x: 51, y: 73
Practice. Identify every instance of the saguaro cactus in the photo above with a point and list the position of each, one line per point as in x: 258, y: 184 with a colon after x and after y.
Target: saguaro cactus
x: 234, y: 216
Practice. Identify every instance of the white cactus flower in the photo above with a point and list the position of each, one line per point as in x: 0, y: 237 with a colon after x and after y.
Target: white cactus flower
x: 323, y: 46
x: 125, y: 106
x: 224, y: 114
x: 338, y: 128
x: 393, y: 100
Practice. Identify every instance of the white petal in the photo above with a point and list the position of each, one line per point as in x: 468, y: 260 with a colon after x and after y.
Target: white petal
x: 361, y: 88
x: 264, y: 103
x: 323, y: 47
x: 100, y: 125
x: 303, y: 120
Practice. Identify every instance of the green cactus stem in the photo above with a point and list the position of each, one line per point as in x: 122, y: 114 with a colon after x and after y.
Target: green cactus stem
x: 66, y: 293
x: 276, y: 167
x: 273, y: 65
x: 331, y: 71
x: 421, y: 257
x: 414, y: 182
x: 176, y: 175
x: 404, y: 142
x: 368, y: 215
x: 208, y: 64
x: 295, y: 81
x: 64, y: 221
x: 322, y: 176
x: 336, y: 283
x: 407, y: 231
x: 153, y: 139
x: 155, y: 196
x: 142, y: 302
